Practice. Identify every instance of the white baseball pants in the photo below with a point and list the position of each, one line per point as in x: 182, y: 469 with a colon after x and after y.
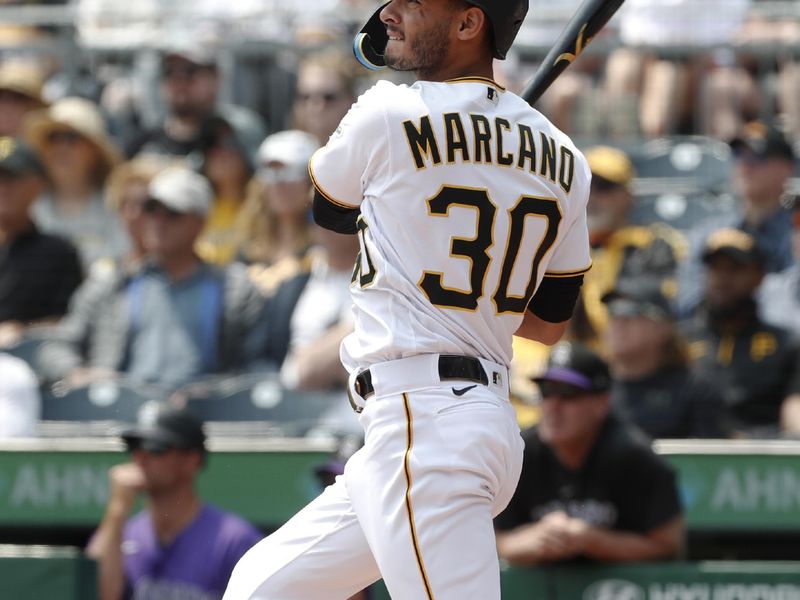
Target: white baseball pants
x: 415, y: 504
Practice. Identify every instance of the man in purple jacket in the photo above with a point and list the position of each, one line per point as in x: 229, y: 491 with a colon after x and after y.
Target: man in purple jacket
x: 179, y: 547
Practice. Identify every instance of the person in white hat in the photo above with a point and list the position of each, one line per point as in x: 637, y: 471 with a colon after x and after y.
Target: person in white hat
x: 173, y: 320
x: 275, y: 220
x: 78, y: 154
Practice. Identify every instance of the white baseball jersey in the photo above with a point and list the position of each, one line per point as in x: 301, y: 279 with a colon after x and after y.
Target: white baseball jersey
x: 468, y: 197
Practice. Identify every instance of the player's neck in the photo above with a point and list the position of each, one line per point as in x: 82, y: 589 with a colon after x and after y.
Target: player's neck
x: 457, y: 69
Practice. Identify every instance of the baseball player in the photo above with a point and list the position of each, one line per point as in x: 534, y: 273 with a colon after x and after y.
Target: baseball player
x: 470, y: 208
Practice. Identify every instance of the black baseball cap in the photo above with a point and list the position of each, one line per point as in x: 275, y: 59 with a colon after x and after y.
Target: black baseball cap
x: 734, y: 243
x: 169, y: 428
x: 577, y: 366
x: 18, y: 159
x: 763, y: 141
x: 639, y: 298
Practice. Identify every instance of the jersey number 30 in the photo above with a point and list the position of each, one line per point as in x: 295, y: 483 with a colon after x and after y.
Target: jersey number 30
x: 476, y: 249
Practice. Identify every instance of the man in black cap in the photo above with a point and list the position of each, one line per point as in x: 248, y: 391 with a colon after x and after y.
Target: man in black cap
x: 591, y: 486
x: 751, y: 362
x: 654, y: 386
x: 764, y: 162
x: 38, y: 272
x: 178, y: 546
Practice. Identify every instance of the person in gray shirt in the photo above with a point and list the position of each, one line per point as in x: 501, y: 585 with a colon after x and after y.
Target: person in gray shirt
x: 170, y: 321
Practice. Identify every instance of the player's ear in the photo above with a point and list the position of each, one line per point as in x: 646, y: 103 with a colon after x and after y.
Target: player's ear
x: 472, y: 23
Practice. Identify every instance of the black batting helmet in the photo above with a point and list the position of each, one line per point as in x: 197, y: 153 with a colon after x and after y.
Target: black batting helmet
x: 505, y: 16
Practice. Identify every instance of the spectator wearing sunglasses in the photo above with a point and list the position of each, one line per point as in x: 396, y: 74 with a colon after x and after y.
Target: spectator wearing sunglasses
x: 190, y: 86
x: 763, y: 165
x: 326, y: 88
x: 179, y: 546
x: 653, y: 384
x: 78, y: 154
x: 275, y: 224
x: 591, y: 487
x: 174, y: 319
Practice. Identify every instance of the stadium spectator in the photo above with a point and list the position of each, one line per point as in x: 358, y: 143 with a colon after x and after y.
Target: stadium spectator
x: 228, y: 165
x: 190, y: 88
x: 126, y: 194
x: 591, y: 487
x: 275, y: 221
x: 309, y: 315
x: 751, y: 362
x: 179, y: 546
x: 20, y: 94
x: 175, y: 318
x: 763, y: 165
x: 20, y: 403
x: 72, y: 139
x: 779, y: 295
x: 653, y: 384
x: 326, y: 88
x: 321, y: 317
x: 619, y: 249
x: 38, y: 272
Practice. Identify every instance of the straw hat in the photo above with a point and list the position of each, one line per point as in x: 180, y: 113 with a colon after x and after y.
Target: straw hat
x: 23, y: 79
x: 79, y: 115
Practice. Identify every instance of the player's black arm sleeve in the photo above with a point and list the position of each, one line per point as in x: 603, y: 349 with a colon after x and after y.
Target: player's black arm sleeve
x: 555, y: 299
x: 334, y: 217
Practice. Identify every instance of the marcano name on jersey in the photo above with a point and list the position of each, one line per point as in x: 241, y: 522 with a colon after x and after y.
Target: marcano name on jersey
x: 539, y: 154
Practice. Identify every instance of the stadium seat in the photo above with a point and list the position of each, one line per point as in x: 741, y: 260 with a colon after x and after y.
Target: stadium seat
x: 116, y: 401
x: 258, y: 399
x: 682, y: 180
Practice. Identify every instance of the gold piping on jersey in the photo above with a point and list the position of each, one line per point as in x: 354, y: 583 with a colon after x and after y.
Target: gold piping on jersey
x: 558, y: 274
x: 476, y: 79
x: 409, y: 508
x: 541, y: 156
x: 325, y: 194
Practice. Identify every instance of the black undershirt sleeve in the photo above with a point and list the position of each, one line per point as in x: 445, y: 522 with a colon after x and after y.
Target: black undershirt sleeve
x: 334, y: 217
x: 555, y: 299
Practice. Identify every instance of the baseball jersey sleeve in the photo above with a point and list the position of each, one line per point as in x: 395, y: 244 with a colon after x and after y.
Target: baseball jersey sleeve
x: 571, y: 256
x: 356, y: 155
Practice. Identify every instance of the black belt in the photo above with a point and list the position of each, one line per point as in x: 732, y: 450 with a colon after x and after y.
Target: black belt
x: 451, y: 367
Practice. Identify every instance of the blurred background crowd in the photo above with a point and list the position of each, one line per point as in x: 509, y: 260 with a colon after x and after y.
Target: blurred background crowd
x: 155, y: 237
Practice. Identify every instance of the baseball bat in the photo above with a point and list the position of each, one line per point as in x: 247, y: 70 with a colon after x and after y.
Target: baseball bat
x: 587, y: 21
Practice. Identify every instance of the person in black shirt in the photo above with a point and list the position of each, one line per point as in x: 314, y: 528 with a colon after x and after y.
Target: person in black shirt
x: 653, y: 385
x: 591, y: 487
x: 190, y: 84
x: 750, y: 361
x: 38, y: 272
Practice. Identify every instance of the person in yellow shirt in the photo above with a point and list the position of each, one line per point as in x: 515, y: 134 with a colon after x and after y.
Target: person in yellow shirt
x: 228, y: 165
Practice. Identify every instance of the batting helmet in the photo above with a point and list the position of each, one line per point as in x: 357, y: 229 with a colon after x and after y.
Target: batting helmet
x: 505, y: 16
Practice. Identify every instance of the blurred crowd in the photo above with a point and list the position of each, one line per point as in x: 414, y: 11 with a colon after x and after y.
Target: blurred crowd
x: 154, y: 204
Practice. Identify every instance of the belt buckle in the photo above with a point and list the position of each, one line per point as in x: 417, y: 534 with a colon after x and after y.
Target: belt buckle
x: 354, y: 392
